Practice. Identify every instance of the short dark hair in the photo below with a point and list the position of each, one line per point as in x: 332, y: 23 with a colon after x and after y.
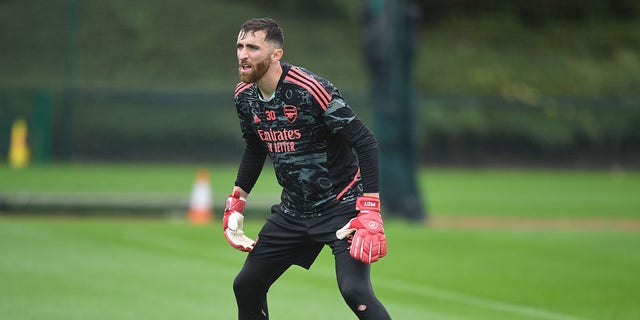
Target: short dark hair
x: 273, y: 30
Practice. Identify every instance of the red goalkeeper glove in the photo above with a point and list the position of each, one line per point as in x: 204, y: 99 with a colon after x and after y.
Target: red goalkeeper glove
x: 369, y: 243
x: 232, y: 223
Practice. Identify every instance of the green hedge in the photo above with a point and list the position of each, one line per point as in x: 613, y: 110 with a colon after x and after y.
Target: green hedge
x: 193, y: 126
x: 569, y: 130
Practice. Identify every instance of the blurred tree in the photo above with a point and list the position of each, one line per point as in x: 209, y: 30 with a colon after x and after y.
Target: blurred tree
x: 310, y: 9
x: 532, y: 12
x: 624, y: 9
x: 390, y: 45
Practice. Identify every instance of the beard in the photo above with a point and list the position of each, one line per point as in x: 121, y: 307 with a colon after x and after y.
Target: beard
x: 257, y: 71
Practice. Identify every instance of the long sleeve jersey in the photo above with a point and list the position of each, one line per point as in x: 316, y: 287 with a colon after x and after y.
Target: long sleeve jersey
x: 321, y: 152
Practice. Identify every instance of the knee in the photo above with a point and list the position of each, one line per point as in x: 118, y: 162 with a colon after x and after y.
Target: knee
x: 241, y: 285
x: 363, y: 302
x: 245, y: 285
x: 355, y: 293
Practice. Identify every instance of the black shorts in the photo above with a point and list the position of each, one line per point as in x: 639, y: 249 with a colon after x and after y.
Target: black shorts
x: 289, y: 240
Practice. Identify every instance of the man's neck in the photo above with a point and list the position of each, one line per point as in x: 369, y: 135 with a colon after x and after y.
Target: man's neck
x: 268, y: 83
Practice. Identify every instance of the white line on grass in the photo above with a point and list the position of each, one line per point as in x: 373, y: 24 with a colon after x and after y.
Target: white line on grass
x: 475, y: 301
x: 457, y: 297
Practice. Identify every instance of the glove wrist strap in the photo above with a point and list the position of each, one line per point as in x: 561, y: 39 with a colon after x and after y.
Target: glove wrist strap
x: 236, y: 194
x: 367, y: 203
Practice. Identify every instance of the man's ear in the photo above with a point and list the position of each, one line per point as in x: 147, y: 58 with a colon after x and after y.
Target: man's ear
x: 277, y: 54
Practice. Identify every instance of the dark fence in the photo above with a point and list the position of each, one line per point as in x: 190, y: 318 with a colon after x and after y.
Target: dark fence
x: 123, y: 125
x: 110, y: 125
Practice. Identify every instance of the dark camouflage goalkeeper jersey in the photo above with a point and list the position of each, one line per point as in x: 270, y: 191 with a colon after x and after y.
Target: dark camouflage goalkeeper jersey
x: 322, y: 153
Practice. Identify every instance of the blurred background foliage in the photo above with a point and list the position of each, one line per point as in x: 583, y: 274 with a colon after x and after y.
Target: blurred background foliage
x: 540, y: 82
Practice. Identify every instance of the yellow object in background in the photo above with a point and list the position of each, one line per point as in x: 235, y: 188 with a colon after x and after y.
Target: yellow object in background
x: 19, y: 155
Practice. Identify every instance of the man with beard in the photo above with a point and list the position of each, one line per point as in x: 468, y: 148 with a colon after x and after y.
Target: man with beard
x: 325, y: 160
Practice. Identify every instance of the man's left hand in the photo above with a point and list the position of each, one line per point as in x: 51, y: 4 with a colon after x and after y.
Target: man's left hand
x: 369, y: 243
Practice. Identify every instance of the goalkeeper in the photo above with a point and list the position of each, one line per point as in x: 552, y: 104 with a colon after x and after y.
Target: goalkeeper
x: 326, y: 161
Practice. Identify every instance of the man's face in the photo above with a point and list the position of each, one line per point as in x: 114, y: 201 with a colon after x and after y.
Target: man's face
x: 254, y: 55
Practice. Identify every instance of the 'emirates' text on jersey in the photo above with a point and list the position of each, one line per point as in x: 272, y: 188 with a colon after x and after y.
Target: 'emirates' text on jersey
x: 309, y: 133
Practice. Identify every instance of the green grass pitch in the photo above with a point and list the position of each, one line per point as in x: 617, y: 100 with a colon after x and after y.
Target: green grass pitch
x: 70, y: 268
x: 77, y: 267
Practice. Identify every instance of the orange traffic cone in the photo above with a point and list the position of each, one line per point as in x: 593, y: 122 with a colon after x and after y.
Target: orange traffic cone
x: 201, y: 204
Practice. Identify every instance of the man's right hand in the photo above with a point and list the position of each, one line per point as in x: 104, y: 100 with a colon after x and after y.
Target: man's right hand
x: 232, y: 223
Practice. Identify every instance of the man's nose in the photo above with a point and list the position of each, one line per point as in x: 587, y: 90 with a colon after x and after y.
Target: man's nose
x: 242, y: 53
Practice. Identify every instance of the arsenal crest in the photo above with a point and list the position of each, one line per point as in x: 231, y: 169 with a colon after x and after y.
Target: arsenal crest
x: 291, y: 113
